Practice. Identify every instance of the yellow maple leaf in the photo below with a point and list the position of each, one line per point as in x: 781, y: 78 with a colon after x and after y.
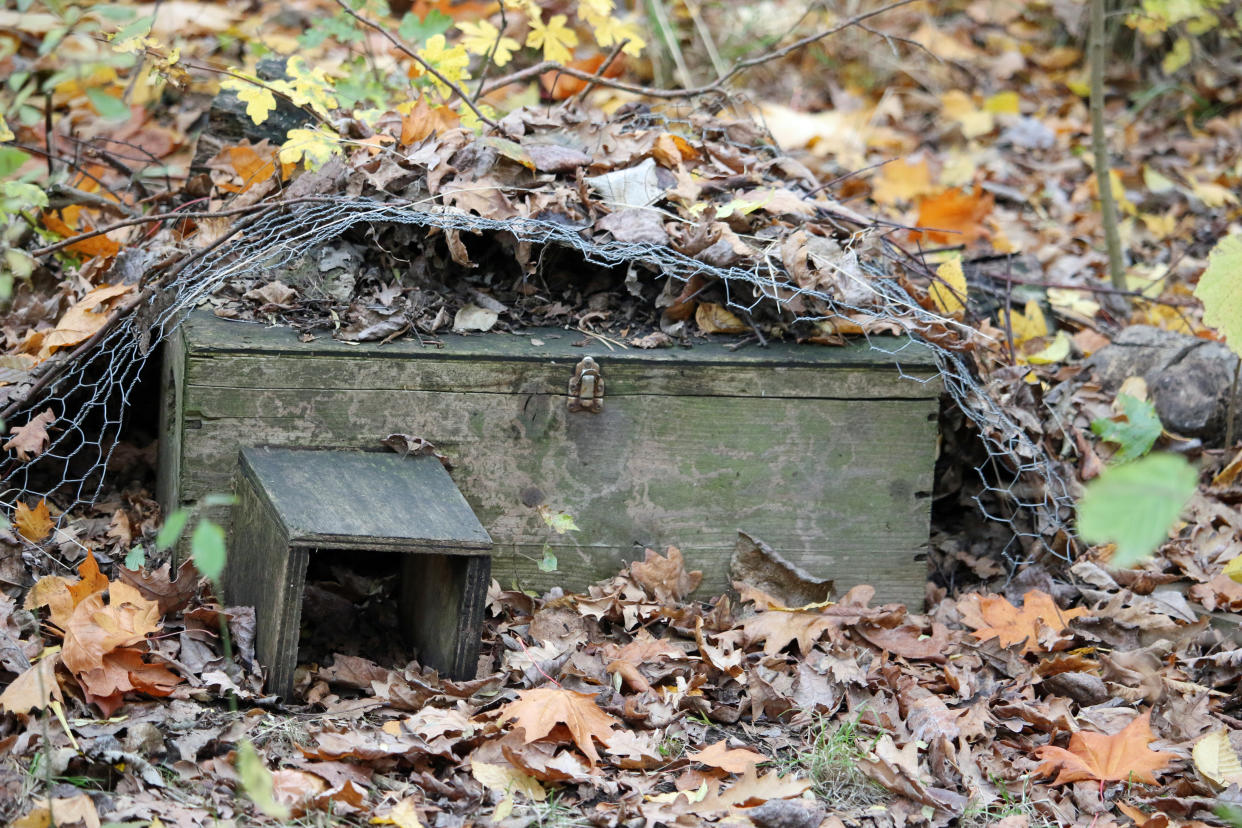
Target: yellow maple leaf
x: 314, y: 147
x: 480, y: 38
x: 258, y: 99
x: 949, y: 292
x: 451, y: 62
x: 609, y: 31
x: 588, y: 9
x: 1028, y: 323
x: 958, y: 106
x: 554, y: 38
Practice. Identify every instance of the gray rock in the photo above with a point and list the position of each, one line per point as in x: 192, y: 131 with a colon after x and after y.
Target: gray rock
x: 1188, y: 379
x: 786, y: 813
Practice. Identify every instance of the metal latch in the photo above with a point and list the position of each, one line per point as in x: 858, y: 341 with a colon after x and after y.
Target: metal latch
x: 586, y: 387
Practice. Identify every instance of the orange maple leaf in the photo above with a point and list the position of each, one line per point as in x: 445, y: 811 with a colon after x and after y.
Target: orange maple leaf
x: 953, y: 217
x: 1120, y: 757
x: 33, y: 524
x: 94, y: 629
x: 541, y: 710
x: 995, y: 617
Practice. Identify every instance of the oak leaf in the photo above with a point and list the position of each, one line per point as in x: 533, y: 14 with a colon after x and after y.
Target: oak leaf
x: 543, y: 709
x: 33, y: 524
x: 30, y: 440
x: 733, y: 760
x: 666, y: 579
x: 1119, y: 757
x: 994, y: 617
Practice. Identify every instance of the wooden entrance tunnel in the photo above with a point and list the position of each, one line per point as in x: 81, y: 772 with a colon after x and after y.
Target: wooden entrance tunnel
x: 294, y: 502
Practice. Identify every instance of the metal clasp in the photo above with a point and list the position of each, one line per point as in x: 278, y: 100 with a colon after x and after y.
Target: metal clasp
x: 586, y: 387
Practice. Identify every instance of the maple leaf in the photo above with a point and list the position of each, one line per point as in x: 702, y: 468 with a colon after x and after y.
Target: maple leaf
x: 34, y: 689
x: 481, y: 36
x: 30, y: 440
x: 1219, y: 292
x: 95, y: 629
x: 954, y: 216
x: 777, y: 628
x: 752, y: 789
x: 540, y: 710
x: 665, y: 579
x: 995, y: 617
x: 259, y: 100
x: 733, y: 760
x: 554, y: 37
x: 450, y: 61
x: 312, y: 146
x: 33, y: 524
x: 1120, y: 757
x: 608, y: 31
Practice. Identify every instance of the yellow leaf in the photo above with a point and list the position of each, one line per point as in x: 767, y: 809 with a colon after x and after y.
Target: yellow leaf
x: 506, y: 779
x: 595, y: 8
x: 259, y: 100
x: 1057, y: 351
x: 451, y: 62
x: 901, y: 181
x: 1233, y: 569
x: 1212, y: 194
x: 6, y: 134
x: 1177, y: 57
x: 949, y: 292
x: 713, y: 318
x: 314, y: 147
x: 958, y: 106
x: 481, y: 37
x: 403, y: 815
x: 1159, y: 226
x: 1155, y: 181
x: 1072, y: 302
x: 33, y: 524
x: 609, y: 31
x: 555, y: 38
x: 1216, y: 759
x: 1026, y: 324
x: 1004, y: 103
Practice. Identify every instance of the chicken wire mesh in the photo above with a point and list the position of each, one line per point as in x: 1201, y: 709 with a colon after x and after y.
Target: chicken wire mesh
x: 91, y: 398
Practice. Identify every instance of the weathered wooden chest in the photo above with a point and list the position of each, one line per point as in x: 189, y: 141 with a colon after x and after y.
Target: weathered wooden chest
x: 825, y: 453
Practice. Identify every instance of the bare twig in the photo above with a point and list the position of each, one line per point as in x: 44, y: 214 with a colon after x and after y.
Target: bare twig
x: 1099, y: 144
x: 410, y: 53
x: 62, y: 195
x: 603, y: 67
x: 670, y: 94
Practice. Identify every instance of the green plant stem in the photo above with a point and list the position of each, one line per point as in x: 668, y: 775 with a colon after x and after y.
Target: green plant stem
x: 1099, y: 144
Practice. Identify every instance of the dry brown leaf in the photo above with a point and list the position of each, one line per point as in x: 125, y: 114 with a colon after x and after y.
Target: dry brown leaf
x: 992, y: 616
x: 753, y: 789
x: 713, y: 318
x: 541, y: 710
x: 733, y: 760
x: 30, y: 440
x: 81, y: 321
x: 1119, y: 757
x: 777, y: 628
x: 95, y: 629
x: 33, y: 524
x: 33, y: 689
x: 67, y: 811
x: 665, y: 579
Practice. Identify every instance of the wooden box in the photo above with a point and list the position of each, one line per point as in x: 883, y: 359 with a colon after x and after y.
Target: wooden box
x: 294, y: 503
x: 824, y: 453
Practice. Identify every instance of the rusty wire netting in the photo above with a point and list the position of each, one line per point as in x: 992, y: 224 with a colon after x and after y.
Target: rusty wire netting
x: 90, y: 398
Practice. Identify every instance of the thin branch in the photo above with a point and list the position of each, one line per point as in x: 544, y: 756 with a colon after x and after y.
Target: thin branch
x: 603, y: 67
x: 1099, y: 145
x: 672, y: 94
x: 408, y: 52
x: 62, y: 195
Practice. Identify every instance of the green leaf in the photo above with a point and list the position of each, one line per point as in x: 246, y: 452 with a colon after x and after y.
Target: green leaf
x: 11, y: 158
x: 560, y: 522
x: 1220, y: 290
x: 549, y: 562
x: 136, y: 28
x: 208, y: 550
x: 257, y: 783
x: 109, y: 107
x: 171, y: 531
x: 413, y: 30
x: 136, y: 558
x: 1136, y: 504
x: 1137, y: 434
x: 216, y: 499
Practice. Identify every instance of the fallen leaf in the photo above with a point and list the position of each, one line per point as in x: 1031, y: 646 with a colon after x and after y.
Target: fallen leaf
x: 506, y: 779
x: 992, y: 616
x: 33, y: 524
x: 33, y: 689
x: 665, y: 579
x: 30, y: 440
x: 733, y: 760
x: 540, y: 710
x: 900, y: 181
x: 81, y: 321
x: 953, y: 216
x: 948, y: 292
x: 777, y: 628
x: 1215, y: 758
x: 1119, y: 757
x: 713, y: 318
x: 94, y: 629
